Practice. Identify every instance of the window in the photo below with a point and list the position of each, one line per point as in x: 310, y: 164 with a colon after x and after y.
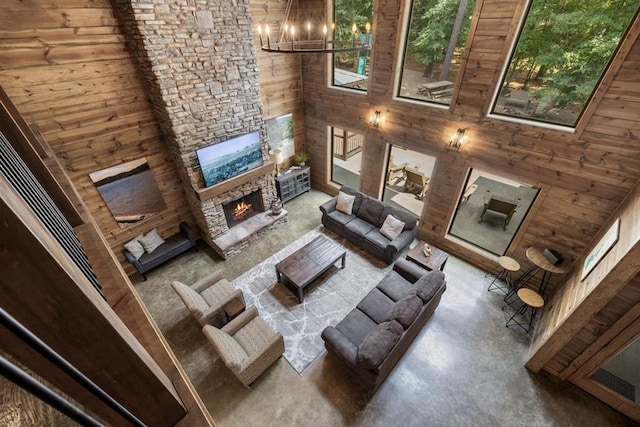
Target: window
x: 351, y: 69
x: 563, y: 50
x: 490, y: 211
x: 346, y: 158
x: 407, y: 179
x: 435, y: 43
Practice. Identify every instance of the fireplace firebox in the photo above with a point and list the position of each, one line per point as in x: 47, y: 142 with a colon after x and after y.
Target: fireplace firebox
x: 243, y: 208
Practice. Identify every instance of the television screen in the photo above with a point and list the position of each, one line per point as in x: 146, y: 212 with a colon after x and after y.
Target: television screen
x: 229, y: 158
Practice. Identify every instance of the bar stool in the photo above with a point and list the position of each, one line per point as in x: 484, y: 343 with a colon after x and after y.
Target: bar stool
x: 509, y: 266
x: 531, y: 301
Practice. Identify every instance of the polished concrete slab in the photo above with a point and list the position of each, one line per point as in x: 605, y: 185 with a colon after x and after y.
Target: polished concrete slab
x: 464, y: 368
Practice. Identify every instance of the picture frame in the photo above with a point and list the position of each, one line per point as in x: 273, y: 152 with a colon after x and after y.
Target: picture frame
x: 129, y: 191
x: 280, y: 134
x: 608, y: 240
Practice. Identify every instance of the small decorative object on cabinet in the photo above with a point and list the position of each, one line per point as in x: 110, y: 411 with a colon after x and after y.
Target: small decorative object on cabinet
x: 293, y: 182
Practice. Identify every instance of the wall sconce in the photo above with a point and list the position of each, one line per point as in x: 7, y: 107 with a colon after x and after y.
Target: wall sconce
x: 375, y: 120
x: 457, y: 140
x: 277, y: 157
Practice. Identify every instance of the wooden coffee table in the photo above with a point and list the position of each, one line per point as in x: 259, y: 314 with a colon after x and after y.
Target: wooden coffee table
x: 436, y: 261
x: 305, y: 265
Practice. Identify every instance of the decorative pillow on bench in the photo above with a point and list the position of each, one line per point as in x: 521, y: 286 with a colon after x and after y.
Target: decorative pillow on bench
x: 135, y: 247
x: 378, y: 343
x: 151, y: 241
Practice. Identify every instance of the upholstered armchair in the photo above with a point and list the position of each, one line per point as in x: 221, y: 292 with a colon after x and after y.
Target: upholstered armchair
x: 247, y: 345
x: 206, y: 298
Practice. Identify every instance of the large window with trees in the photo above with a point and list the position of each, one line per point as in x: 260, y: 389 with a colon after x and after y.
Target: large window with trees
x: 352, y: 22
x: 435, y: 42
x: 563, y: 49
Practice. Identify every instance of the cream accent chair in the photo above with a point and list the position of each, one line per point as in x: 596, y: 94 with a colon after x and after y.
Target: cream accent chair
x: 247, y: 345
x: 206, y: 298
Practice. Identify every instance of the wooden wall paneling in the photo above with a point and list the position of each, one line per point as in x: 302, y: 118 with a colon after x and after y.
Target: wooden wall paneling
x: 39, y: 277
x: 595, y: 104
x: 562, y: 321
x: 68, y: 70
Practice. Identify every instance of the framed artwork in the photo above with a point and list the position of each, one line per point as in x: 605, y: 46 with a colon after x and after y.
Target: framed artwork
x: 605, y: 244
x: 280, y: 134
x: 130, y: 191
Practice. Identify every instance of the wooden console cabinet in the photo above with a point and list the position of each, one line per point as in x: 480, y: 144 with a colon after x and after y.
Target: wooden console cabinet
x: 292, y: 183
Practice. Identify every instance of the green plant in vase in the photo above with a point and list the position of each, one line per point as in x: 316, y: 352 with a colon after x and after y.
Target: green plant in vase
x: 301, y: 158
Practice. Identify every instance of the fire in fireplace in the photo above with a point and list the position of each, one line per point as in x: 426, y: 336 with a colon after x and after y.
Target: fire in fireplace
x: 243, y: 208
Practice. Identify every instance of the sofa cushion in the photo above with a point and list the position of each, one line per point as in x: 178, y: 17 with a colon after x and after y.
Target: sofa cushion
x: 406, y: 310
x: 376, y: 305
x: 428, y: 284
x: 134, y: 247
x: 378, y: 344
x: 344, y: 203
x: 395, y: 286
x: 371, y: 211
x: 359, y: 227
x: 151, y: 241
x: 376, y: 239
x: 355, y: 326
x: 391, y: 227
x: 358, y: 197
x: 340, y: 218
x: 409, y: 220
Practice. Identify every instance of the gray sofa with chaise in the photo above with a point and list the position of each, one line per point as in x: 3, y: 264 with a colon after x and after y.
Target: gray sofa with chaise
x: 372, y: 338
x: 362, y: 226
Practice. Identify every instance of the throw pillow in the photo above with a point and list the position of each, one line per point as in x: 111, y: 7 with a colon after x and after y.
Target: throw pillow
x: 134, y: 247
x: 409, y: 220
x: 378, y: 343
x: 345, y: 203
x: 428, y: 284
x: 371, y: 211
x: 151, y: 241
x: 406, y: 310
x: 392, y: 227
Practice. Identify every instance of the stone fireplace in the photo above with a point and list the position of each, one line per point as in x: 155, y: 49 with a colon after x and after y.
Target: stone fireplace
x: 243, y: 208
x: 198, y: 60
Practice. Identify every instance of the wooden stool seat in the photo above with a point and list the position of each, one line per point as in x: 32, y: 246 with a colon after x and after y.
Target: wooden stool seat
x: 531, y: 301
x: 509, y: 265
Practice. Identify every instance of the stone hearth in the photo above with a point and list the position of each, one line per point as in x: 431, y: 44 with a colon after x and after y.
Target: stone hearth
x: 239, y: 237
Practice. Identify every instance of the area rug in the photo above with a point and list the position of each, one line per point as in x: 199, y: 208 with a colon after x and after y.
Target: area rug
x: 325, y: 304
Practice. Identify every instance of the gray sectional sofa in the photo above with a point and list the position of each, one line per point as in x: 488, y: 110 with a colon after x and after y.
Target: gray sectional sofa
x: 362, y: 225
x: 372, y: 338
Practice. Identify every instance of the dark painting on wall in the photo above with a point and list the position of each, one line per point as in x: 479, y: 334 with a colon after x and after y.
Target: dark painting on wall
x: 130, y: 191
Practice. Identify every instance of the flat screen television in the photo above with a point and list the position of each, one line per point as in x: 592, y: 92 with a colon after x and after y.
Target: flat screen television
x: 230, y: 158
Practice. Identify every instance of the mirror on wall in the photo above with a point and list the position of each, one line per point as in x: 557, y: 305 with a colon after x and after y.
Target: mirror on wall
x: 490, y: 210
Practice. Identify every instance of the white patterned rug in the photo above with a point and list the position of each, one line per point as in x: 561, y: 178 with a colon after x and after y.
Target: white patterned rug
x: 325, y: 304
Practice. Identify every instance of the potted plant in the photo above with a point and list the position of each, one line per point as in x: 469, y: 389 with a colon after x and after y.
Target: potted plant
x: 301, y: 158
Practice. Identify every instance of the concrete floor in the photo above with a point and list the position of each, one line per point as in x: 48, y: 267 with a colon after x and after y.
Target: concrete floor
x: 464, y: 368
